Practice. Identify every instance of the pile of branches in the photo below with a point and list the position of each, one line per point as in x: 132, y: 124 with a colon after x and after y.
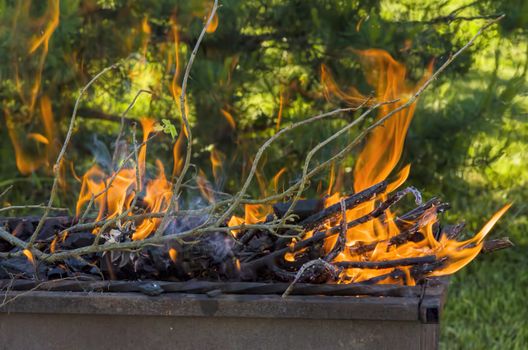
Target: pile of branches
x: 199, y: 240
x: 256, y: 253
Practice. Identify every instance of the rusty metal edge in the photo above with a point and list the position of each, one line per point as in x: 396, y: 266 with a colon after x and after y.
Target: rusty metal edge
x: 196, y: 305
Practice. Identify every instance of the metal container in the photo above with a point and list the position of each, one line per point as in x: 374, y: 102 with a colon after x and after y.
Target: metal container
x: 107, y: 320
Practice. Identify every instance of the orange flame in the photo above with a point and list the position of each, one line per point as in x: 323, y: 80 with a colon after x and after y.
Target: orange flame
x: 177, y: 152
x: 157, y: 198
x: 174, y: 87
x: 389, y: 78
x: 330, y: 88
x: 145, y: 28
x: 43, y: 41
x: 217, y: 162
x: 459, y: 254
x: 114, y: 199
x: 204, y: 186
x: 277, y: 177
x: 375, y: 163
x: 35, y: 149
x: 28, y: 155
x: 253, y: 214
x: 29, y: 256
x: 279, y: 114
x: 211, y: 28
x: 229, y: 118
x: 173, y: 254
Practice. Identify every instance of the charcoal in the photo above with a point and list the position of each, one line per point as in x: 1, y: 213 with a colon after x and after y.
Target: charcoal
x: 159, y: 260
x: 78, y: 265
x: 78, y: 240
x: 303, y: 208
x: 19, y: 267
x: 56, y: 273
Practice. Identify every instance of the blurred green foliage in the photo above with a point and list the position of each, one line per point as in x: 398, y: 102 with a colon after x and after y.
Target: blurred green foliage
x: 467, y: 143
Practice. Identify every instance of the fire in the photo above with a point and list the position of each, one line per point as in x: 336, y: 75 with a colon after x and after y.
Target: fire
x: 205, y: 187
x: 279, y: 114
x: 117, y: 192
x: 459, y: 254
x: 217, y: 162
x: 211, y: 28
x: 277, y: 177
x: 375, y: 163
x: 174, y: 87
x: 229, y: 118
x: 27, y: 253
x: 157, y: 197
x: 389, y: 79
x: 113, y: 194
x: 173, y: 255
x: 253, y: 214
x: 177, y: 153
x: 34, y: 150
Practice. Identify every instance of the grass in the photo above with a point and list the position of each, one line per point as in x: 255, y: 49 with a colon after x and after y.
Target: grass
x: 487, y: 306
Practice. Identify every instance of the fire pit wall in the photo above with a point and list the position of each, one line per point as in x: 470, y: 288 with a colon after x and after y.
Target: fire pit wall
x: 92, y: 320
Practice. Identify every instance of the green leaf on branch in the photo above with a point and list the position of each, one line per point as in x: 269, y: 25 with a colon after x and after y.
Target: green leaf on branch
x: 167, y: 127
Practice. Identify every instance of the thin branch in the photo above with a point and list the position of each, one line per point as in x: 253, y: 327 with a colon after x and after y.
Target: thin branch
x: 22, y: 207
x: 304, y: 178
x: 122, y: 126
x: 4, y: 192
x: 302, y: 270
x: 238, y: 197
x: 56, y: 167
x: 176, y: 188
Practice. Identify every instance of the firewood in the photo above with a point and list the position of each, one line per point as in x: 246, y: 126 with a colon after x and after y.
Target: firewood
x: 387, y: 264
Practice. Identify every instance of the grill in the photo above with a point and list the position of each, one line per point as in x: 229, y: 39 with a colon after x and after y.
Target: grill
x: 208, y: 315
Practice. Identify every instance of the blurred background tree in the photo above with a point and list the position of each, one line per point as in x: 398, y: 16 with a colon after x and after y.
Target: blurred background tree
x: 260, y: 68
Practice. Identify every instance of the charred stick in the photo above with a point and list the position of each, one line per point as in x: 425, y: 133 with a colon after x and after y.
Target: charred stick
x: 246, y: 237
x: 321, y: 235
x: 280, y: 273
x: 312, y: 265
x: 194, y: 287
x: 387, y: 263
x: 394, y: 274
x: 61, y: 220
x: 341, y: 239
x: 417, y: 212
x: 418, y: 272
x: 496, y: 244
x: 452, y: 232
x: 401, y: 238
x: 350, y: 202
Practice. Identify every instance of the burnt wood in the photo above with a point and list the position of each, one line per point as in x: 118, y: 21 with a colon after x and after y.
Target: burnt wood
x: 153, y: 288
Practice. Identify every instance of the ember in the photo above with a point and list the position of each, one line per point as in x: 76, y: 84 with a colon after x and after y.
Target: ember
x: 144, y: 229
